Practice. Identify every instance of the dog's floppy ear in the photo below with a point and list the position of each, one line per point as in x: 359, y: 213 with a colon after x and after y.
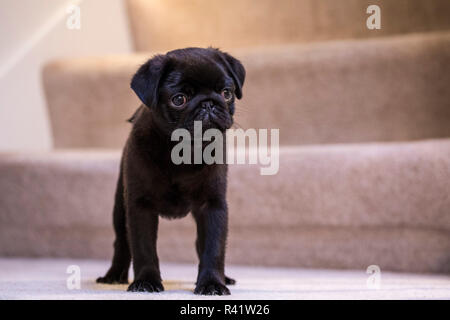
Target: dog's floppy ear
x: 145, y: 82
x: 236, y: 69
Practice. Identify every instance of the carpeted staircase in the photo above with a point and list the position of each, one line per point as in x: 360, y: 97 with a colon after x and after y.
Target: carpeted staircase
x: 364, y: 123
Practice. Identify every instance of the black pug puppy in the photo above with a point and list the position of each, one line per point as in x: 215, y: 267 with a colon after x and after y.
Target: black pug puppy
x: 178, y: 88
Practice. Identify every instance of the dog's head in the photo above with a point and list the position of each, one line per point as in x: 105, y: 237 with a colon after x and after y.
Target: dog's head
x: 192, y: 84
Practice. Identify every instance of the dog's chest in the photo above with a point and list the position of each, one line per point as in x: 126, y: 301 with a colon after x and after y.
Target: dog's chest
x: 178, y: 200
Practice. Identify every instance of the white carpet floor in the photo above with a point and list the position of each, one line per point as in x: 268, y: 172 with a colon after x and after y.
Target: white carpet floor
x: 47, y: 279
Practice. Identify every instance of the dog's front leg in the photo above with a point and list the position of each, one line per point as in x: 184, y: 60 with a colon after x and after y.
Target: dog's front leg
x: 143, y: 228
x: 213, y: 220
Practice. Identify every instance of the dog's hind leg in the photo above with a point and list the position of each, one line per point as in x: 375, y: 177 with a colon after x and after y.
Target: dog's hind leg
x: 118, y: 272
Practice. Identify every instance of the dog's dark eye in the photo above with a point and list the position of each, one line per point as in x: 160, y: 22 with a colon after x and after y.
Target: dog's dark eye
x: 178, y: 100
x: 227, y: 94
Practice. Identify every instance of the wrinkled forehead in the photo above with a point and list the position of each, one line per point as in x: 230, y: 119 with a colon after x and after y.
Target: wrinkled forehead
x: 200, y: 72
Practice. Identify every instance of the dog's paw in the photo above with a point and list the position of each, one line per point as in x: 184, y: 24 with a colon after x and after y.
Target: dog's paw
x: 211, y: 288
x: 114, y: 278
x: 111, y: 280
x: 229, y: 281
x: 145, y: 286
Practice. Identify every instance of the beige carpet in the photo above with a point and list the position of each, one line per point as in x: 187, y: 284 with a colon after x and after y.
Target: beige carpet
x: 47, y: 279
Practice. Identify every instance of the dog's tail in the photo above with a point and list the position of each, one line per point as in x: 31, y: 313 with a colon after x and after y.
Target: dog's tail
x: 136, y: 114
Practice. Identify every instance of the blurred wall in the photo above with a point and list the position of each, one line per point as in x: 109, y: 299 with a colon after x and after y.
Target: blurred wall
x: 33, y: 32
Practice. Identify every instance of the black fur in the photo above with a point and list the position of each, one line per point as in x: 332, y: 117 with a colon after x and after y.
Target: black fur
x: 150, y: 185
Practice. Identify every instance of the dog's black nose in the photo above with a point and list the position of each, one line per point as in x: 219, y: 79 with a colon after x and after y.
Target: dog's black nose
x: 208, y: 105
